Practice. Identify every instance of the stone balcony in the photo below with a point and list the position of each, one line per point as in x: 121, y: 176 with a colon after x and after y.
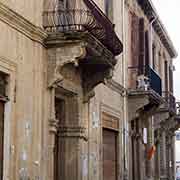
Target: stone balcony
x: 81, y: 26
x: 170, y: 103
x: 145, y: 89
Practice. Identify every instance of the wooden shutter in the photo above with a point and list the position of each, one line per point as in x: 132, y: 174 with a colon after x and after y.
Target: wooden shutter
x: 154, y: 56
x: 166, y: 75
x: 109, y: 155
x: 134, y: 50
x: 1, y: 138
x: 59, y: 146
x: 134, y: 40
x: 170, y: 80
x: 146, y: 49
x: 141, y: 46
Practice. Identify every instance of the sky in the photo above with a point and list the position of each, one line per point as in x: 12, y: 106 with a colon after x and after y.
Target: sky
x: 169, y: 12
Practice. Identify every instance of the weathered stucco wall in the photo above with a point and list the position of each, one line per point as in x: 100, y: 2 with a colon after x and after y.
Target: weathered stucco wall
x: 22, y: 59
x: 108, y: 101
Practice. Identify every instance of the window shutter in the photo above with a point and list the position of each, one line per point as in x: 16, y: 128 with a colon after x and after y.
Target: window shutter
x: 147, y: 48
x: 170, y: 80
x: 134, y: 40
x: 141, y: 46
x: 166, y: 75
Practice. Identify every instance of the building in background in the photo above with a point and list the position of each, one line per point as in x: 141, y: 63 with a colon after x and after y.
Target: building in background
x: 151, y: 104
x: 177, y: 135
x: 86, y: 91
x: 178, y: 152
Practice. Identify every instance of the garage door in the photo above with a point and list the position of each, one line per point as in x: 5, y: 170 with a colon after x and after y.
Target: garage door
x: 109, y: 155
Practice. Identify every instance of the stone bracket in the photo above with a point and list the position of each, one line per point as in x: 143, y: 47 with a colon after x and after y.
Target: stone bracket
x: 135, y: 104
x: 91, y: 80
x: 95, y: 63
x: 59, y: 57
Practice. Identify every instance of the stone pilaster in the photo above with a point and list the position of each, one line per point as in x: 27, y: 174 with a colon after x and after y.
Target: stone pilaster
x: 149, y: 145
x: 163, y: 175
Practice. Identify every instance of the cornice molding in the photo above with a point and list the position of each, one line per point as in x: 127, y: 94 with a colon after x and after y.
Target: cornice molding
x: 22, y: 25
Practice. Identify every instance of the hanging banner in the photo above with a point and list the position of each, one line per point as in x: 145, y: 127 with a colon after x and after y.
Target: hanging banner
x: 151, y: 152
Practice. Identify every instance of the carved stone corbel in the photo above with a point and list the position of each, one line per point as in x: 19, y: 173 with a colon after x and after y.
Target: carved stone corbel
x: 59, y: 57
x: 93, y: 79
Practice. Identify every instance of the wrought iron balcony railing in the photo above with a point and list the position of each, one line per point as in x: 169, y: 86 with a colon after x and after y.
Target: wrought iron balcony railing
x: 83, y: 16
x: 170, y: 100
x: 144, y: 78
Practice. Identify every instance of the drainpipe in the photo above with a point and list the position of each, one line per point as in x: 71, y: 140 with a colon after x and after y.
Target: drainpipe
x: 151, y: 39
x: 150, y: 172
x: 125, y: 119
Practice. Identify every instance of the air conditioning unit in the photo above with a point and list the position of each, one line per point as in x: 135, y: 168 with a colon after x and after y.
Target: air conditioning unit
x: 143, y: 82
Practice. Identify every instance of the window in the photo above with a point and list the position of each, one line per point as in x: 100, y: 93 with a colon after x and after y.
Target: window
x: 160, y: 63
x: 170, y: 79
x: 154, y: 57
x: 166, y: 76
x: 109, y: 9
x: 2, y: 84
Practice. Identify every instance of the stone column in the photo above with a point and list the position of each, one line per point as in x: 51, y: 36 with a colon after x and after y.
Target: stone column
x: 168, y: 155
x: 149, y: 145
x: 173, y: 156
x: 157, y: 156
x: 171, y: 160
x: 140, y: 150
x: 163, y: 155
x: 53, y: 127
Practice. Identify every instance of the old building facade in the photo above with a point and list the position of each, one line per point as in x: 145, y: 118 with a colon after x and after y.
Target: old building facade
x: 153, y: 121
x: 86, y: 91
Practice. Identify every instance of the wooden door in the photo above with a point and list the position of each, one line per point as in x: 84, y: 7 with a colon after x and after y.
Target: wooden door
x: 109, y: 155
x: 1, y: 138
x: 58, y: 150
